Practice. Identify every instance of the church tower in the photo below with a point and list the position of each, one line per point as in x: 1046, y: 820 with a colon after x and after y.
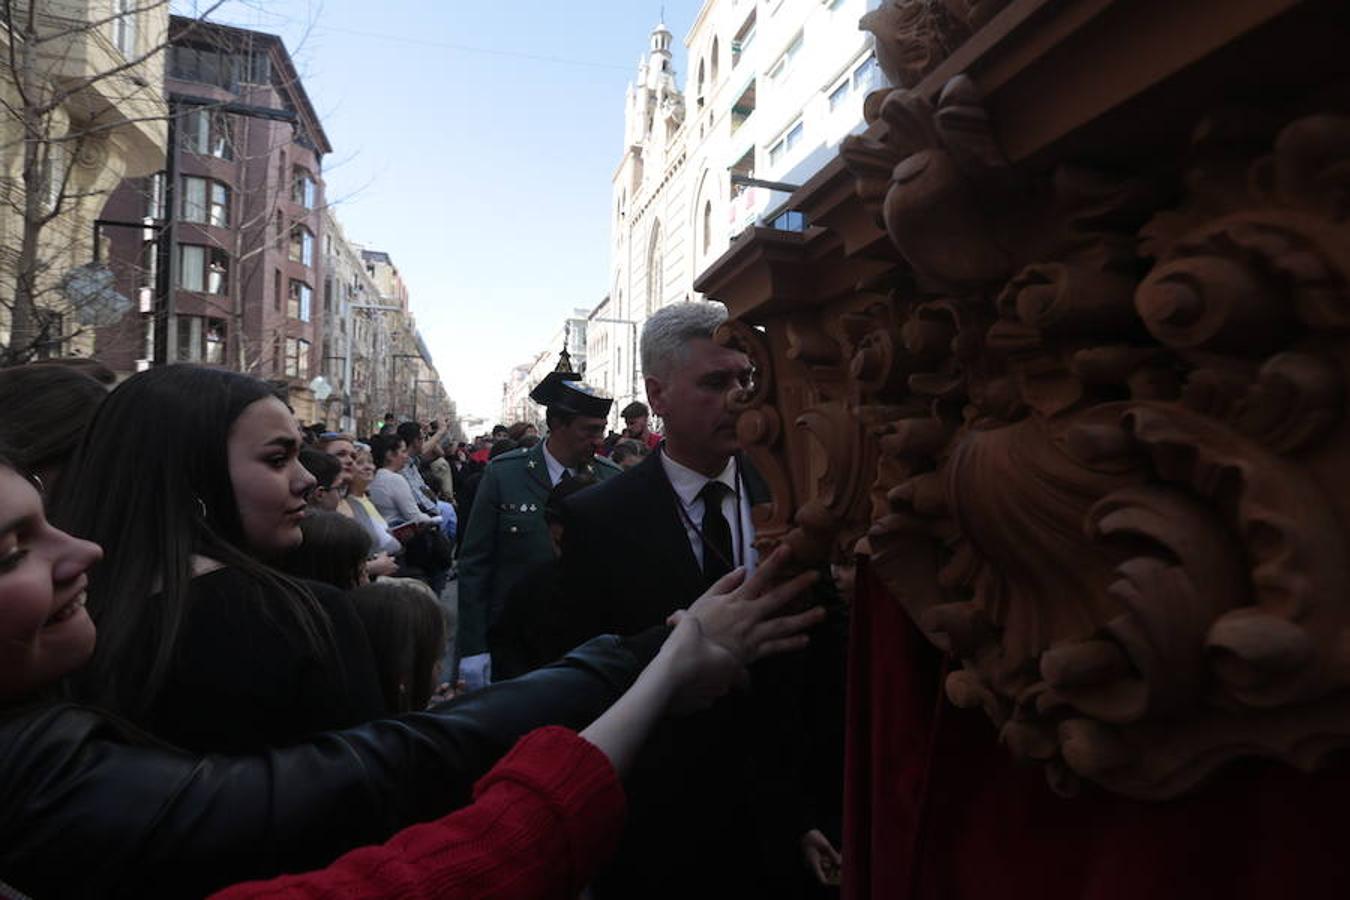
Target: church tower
x: 653, y: 112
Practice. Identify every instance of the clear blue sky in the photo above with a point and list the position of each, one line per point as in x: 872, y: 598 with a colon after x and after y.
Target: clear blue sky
x: 485, y: 172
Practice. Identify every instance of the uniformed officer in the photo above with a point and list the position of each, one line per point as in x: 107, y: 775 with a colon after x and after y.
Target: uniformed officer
x: 506, y: 534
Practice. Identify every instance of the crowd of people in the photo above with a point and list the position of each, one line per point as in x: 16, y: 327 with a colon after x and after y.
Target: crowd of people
x: 210, y: 613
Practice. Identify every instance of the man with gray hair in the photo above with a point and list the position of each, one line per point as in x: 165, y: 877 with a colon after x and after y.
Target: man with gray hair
x: 642, y: 545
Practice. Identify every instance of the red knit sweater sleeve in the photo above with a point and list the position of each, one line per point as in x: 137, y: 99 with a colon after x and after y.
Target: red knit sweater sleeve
x: 542, y: 822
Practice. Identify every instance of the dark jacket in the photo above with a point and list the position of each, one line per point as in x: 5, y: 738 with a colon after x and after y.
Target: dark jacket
x: 87, y: 808
x: 721, y: 786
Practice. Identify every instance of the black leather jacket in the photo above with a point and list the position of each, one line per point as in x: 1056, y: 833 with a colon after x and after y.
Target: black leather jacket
x: 85, y: 811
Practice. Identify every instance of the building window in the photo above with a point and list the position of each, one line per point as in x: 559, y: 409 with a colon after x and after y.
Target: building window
x: 867, y: 75
x: 124, y: 27
x: 328, y: 295
x: 213, y: 65
x: 743, y: 108
x: 707, y: 225
x: 148, y: 275
x: 203, y: 269
x: 256, y: 68
x: 655, y: 271
x: 304, y: 189
x: 154, y: 196
x: 784, y: 62
x: 297, y: 358
x: 302, y: 245
x: 298, y: 301
x: 276, y: 290
x: 205, y: 201
x: 713, y: 60
x: 786, y: 144
x: 745, y: 36
x: 201, y: 340
x: 839, y: 94
x: 208, y: 132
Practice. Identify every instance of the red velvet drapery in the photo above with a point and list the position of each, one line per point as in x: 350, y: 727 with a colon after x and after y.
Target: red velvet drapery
x: 935, y: 809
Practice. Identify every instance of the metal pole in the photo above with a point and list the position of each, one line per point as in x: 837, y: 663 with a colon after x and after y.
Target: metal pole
x: 165, y: 319
x: 349, y: 422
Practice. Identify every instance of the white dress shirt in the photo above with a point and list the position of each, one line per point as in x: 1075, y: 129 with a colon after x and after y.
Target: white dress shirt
x: 555, y: 468
x: 735, y: 506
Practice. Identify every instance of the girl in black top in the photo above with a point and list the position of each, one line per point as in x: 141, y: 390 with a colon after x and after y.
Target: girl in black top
x: 189, y: 479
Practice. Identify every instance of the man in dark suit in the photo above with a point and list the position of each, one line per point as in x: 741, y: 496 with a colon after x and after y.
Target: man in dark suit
x: 711, y: 801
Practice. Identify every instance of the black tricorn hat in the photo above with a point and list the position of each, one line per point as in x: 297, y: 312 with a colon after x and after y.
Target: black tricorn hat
x: 565, y: 393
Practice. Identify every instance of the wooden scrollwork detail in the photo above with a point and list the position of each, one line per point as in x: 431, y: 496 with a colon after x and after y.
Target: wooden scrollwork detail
x: 1109, y: 434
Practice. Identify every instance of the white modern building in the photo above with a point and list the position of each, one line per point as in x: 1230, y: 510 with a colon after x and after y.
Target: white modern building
x: 774, y: 86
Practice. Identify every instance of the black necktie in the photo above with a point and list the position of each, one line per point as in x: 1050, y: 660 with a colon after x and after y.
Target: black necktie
x: 718, y: 555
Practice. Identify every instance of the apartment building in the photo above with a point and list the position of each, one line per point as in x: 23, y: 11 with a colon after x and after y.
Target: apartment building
x: 235, y: 218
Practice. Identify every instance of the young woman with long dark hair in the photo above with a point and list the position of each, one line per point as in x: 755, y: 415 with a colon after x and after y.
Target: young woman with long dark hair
x: 94, y: 808
x: 188, y: 477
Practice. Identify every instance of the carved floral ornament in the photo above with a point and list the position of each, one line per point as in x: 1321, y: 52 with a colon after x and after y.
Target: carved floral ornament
x: 1092, y: 433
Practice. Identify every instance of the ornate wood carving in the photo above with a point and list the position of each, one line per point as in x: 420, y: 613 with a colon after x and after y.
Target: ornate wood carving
x: 914, y: 36
x: 1088, y: 422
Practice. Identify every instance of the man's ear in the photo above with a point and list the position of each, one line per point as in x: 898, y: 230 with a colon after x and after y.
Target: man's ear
x: 656, y: 394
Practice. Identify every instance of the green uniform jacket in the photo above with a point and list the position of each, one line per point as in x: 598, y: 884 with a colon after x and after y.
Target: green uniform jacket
x: 505, y: 537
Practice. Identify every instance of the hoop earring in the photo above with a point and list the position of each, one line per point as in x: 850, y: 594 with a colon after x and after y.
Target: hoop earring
x: 201, y: 506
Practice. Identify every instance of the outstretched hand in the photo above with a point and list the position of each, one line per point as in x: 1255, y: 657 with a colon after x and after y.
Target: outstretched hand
x: 734, y: 623
x: 742, y: 615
